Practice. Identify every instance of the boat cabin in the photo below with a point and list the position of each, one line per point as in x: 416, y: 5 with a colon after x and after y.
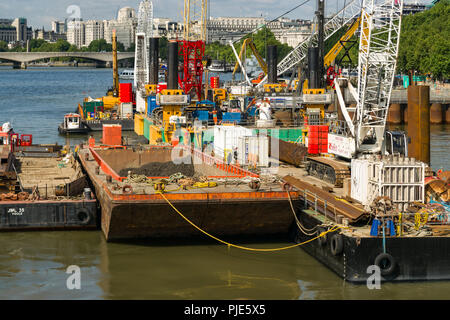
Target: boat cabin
x: 72, y: 121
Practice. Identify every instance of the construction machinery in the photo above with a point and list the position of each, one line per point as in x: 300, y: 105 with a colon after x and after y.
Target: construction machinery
x: 144, y: 31
x: 248, y: 43
x: 363, y: 130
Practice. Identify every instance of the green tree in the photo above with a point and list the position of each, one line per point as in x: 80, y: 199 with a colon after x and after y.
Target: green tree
x: 3, y: 46
x: 99, y: 45
x: 425, y: 42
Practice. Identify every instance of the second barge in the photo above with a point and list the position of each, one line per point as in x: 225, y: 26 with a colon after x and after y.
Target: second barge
x: 40, y: 190
x: 229, y: 201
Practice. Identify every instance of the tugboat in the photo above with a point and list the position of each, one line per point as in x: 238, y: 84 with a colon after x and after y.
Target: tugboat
x: 116, y: 107
x: 72, y: 124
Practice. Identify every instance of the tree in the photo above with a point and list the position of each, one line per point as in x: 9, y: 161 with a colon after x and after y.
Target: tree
x: 99, y: 45
x: 62, y: 45
x: 425, y: 42
x: 3, y: 46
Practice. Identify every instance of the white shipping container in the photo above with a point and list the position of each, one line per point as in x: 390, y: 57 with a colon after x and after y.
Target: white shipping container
x: 227, y: 138
x: 126, y: 110
x: 253, y: 150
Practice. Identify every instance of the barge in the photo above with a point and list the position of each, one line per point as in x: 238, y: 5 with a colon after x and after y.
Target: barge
x: 223, y: 200
x: 43, y: 191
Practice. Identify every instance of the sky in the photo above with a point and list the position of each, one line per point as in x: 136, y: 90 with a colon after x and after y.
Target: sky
x: 40, y: 13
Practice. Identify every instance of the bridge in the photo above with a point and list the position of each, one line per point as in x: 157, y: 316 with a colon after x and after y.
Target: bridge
x: 22, y: 58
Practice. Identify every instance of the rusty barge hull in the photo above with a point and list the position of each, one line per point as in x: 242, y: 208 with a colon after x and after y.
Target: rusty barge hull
x: 224, y: 212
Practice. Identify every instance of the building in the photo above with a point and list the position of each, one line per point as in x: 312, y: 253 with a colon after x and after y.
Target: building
x: 59, y: 27
x: 76, y: 33
x: 82, y: 33
x: 286, y: 30
x: 7, y: 33
x: 125, y: 27
x: 413, y: 8
x: 164, y: 27
x: 23, y: 33
x: 94, y: 30
x: 50, y: 36
x: 15, y: 30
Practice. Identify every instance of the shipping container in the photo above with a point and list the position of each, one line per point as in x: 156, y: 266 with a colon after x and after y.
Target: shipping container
x: 112, y: 134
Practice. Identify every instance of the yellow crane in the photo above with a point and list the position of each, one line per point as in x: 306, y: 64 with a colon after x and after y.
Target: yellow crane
x: 336, y: 49
x: 332, y: 54
x: 249, y: 43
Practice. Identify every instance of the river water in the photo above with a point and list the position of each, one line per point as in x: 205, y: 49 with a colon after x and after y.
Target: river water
x: 33, y: 264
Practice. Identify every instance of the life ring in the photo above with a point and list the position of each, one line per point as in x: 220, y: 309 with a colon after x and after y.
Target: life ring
x: 336, y: 244
x: 127, y: 189
x: 323, y: 239
x: 84, y: 216
x: 386, y: 263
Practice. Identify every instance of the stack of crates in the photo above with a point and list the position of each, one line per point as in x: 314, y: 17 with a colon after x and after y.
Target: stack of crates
x: 317, y: 139
x: 112, y: 134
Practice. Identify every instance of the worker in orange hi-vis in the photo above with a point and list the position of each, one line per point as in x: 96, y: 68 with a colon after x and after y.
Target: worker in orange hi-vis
x: 215, y: 116
x: 91, y: 141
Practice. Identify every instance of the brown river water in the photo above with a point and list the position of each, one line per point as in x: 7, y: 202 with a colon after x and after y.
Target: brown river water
x: 33, y: 265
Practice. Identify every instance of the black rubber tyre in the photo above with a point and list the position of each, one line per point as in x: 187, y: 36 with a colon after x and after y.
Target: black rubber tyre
x: 336, y: 244
x: 386, y: 263
x: 84, y: 216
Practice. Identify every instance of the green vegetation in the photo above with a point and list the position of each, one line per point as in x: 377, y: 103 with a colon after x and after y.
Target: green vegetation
x: 3, y: 46
x: 425, y: 42
x: 261, y: 39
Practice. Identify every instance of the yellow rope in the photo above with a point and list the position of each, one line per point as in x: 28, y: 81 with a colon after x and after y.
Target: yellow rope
x: 242, y: 247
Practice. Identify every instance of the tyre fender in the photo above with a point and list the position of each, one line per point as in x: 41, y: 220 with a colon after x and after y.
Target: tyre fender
x: 336, y: 244
x: 386, y: 263
x: 84, y: 216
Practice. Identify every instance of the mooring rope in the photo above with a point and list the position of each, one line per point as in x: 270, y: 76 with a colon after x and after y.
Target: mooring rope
x: 242, y: 247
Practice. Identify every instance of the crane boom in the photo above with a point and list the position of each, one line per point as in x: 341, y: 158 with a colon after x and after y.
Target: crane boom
x: 338, y: 46
x: 350, y: 11
x: 249, y: 43
x: 379, y: 42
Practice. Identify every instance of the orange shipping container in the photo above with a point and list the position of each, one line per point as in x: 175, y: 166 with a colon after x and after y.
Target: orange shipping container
x: 112, y: 134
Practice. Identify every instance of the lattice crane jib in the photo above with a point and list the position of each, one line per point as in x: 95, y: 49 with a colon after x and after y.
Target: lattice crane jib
x: 144, y: 31
x: 379, y: 42
x: 192, y: 47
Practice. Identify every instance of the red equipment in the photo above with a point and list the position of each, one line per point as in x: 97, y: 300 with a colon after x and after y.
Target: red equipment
x: 192, y: 53
x: 331, y: 75
x: 26, y: 140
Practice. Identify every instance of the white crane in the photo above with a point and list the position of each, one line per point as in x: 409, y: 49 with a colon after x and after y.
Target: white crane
x: 141, y: 64
x: 378, y: 51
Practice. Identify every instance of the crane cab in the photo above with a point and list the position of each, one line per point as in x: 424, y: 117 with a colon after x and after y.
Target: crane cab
x: 395, y: 143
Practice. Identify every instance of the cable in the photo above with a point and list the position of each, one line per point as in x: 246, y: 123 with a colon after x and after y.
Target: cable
x: 301, y: 4
x: 242, y: 247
